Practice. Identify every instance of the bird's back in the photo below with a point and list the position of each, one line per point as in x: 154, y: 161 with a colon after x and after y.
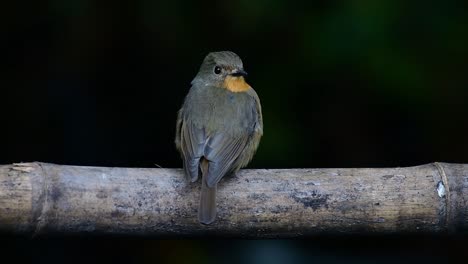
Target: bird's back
x: 218, y: 110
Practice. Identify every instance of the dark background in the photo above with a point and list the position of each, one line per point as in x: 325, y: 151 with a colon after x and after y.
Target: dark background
x: 342, y: 84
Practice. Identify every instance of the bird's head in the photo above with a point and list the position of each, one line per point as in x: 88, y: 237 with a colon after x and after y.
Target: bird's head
x: 223, y: 69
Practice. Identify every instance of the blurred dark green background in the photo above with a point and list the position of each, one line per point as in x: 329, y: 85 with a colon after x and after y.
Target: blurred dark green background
x: 342, y: 83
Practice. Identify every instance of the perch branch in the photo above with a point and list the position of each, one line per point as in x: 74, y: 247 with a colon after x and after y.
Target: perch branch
x: 40, y: 198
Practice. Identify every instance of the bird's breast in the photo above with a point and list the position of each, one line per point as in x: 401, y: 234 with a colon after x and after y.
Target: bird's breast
x: 235, y: 84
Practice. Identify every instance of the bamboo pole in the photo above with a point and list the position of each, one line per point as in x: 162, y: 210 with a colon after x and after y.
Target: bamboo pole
x: 40, y: 198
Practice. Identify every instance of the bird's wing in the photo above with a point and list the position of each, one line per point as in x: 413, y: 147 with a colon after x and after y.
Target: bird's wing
x: 222, y: 151
x: 228, y: 153
x: 191, y: 144
x: 257, y: 133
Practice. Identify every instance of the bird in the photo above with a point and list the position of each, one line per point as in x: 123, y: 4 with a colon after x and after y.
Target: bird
x: 219, y: 126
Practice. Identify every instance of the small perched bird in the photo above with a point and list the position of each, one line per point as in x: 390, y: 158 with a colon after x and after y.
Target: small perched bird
x: 218, y: 127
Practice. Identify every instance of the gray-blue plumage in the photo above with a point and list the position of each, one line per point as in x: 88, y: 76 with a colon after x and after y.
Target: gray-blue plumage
x: 218, y: 130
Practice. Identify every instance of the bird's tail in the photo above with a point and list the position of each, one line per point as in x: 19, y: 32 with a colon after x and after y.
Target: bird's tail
x: 207, y: 207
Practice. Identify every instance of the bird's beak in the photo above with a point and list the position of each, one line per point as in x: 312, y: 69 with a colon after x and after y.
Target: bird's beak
x: 238, y: 73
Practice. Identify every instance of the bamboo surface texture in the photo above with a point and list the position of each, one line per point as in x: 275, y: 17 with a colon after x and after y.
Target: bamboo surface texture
x: 41, y: 199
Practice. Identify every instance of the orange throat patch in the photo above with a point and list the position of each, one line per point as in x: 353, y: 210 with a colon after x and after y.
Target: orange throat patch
x: 236, y: 84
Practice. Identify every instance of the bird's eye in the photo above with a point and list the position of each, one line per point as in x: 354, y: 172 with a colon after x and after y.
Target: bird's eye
x: 217, y: 70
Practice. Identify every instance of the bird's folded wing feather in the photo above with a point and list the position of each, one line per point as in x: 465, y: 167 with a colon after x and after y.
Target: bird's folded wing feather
x: 222, y: 152
x: 228, y: 153
x: 192, y: 141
